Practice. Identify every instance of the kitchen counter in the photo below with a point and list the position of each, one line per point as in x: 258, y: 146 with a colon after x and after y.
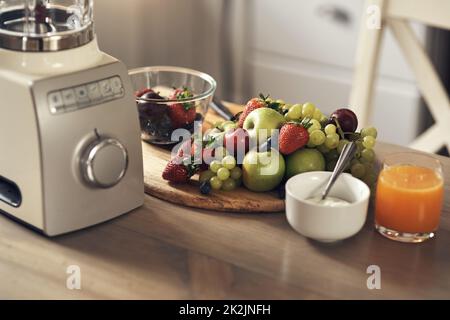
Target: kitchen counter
x: 165, y: 251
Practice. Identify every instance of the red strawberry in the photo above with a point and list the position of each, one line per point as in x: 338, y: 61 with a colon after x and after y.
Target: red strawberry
x: 179, y: 172
x: 182, y: 114
x: 141, y: 92
x: 293, y: 136
x: 192, y: 149
x: 185, y: 150
x: 253, y: 104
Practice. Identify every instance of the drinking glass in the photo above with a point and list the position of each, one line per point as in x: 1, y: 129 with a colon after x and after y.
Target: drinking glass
x: 409, y: 197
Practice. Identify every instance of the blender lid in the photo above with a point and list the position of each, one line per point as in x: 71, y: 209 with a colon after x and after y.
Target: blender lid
x: 43, y: 25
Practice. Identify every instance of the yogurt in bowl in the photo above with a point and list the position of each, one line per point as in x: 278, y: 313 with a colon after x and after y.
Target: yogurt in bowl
x: 341, y: 215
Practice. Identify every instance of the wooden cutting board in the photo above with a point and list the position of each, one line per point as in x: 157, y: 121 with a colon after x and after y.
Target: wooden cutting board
x: 239, y: 200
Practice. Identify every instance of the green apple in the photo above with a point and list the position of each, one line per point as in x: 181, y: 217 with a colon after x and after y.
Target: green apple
x: 304, y: 160
x: 263, y: 171
x: 260, y: 123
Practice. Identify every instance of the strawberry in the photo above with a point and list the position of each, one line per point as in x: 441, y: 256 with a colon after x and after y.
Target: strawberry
x: 141, y: 92
x: 183, y: 151
x: 192, y: 149
x: 178, y: 172
x: 181, y: 114
x: 256, y: 103
x: 293, y: 136
x: 253, y: 104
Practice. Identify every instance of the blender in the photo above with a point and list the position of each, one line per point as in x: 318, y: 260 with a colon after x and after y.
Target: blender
x: 70, y: 149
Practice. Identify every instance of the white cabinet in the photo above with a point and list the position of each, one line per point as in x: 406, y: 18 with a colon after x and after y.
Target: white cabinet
x: 302, y: 52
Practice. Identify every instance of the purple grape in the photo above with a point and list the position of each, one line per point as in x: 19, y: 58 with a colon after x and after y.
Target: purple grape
x: 347, y: 119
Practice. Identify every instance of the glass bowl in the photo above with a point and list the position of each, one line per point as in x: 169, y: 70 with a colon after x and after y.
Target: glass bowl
x: 178, y: 109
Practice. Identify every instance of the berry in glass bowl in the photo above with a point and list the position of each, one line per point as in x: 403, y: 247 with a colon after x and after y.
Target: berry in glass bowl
x: 170, y: 98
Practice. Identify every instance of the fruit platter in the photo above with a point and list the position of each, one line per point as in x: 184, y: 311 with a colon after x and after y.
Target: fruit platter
x: 242, y: 165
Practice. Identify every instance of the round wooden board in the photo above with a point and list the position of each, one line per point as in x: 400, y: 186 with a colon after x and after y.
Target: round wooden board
x: 239, y: 200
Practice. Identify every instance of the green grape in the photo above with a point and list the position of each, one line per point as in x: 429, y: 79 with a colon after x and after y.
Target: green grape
x: 323, y: 149
x: 354, y: 161
x: 223, y: 174
x: 215, y: 165
x: 229, y: 185
x: 368, y: 155
x: 331, y: 164
x: 341, y: 145
x: 358, y: 170
x: 215, y: 183
x: 330, y: 129
x: 332, y: 155
x: 236, y: 173
x: 280, y: 101
x: 359, y: 148
x: 295, y: 112
x: 224, y: 124
x: 206, y: 175
x: 308, y: 110
x: 317, y: 137
x: 368, y: 142
x: 286, y: 107
x: 218, y: 125
x: 369, y: 167
x: 371, y: 131
x: 229, y: 162
x: 332, y: 140
x: 317, y: 114
x: 323, y: 119
x: 230, y: 126
x: 220, y: 153
x: 238, y: 182
x: 314, y: 125
x: 370, y: 178
x: 310, y: 144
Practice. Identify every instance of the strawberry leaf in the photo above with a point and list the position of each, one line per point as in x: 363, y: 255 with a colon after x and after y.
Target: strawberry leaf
x: 236, y: 116
x: 264, y: 98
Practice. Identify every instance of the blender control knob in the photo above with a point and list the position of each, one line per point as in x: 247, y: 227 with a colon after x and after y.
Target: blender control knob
x: 104, y: 163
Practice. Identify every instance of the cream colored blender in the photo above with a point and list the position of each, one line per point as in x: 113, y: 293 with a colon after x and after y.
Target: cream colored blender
x: 70, y: 150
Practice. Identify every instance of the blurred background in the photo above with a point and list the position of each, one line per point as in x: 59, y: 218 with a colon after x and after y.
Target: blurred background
x: 294, y: 50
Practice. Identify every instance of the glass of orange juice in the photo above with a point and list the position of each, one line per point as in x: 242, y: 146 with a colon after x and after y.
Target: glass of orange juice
x: 409, y: 197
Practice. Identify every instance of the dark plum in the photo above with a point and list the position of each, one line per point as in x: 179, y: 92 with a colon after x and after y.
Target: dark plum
x: 346, y: 118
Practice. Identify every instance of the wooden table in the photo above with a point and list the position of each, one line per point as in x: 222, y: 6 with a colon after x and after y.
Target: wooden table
x: 164, y: 251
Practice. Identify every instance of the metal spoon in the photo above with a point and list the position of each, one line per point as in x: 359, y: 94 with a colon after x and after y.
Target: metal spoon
x: 347, y: 153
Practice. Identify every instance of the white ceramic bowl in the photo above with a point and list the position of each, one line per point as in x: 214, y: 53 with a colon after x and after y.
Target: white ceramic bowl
x: 322, y: 223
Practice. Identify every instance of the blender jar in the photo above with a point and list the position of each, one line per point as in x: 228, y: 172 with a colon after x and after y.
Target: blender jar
x: 45, y: 25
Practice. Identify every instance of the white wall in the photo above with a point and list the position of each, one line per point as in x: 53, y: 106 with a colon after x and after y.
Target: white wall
x: 161, y: 32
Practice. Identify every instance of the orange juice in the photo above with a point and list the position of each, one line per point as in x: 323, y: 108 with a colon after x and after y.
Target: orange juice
x: 409, y: 199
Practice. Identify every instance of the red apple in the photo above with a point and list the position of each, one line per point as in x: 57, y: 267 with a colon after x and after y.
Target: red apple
x: 237, y: 143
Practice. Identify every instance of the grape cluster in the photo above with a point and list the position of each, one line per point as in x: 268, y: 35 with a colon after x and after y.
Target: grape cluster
x: 330, y: 140
x: 222, y: 175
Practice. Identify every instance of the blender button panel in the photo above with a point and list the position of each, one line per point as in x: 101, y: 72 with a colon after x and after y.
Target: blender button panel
x: 69, y: 97
x: 105, y: 88
x: 94, y: 91
x: 117, y: 86
x: 55, y: 102
x: 82, y: 95
x: 85, y: 95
